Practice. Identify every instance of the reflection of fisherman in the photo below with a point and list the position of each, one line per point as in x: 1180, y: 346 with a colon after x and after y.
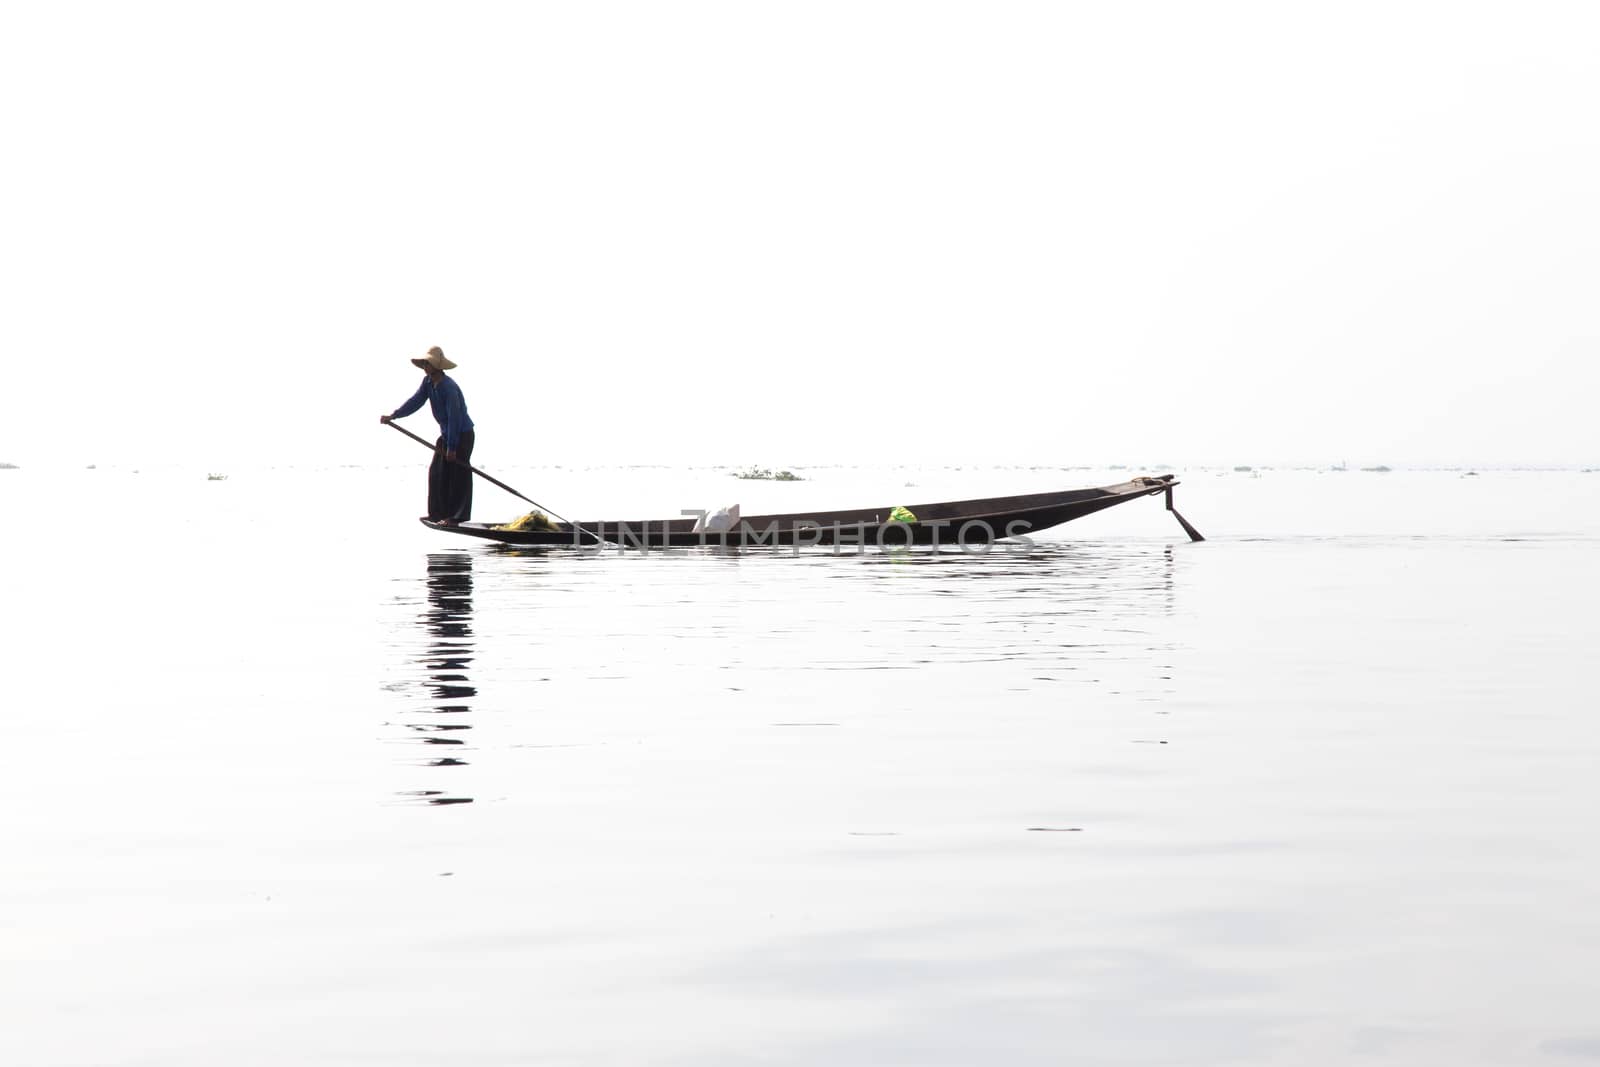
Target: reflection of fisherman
x: 449, y: 476
x: 446, y: 655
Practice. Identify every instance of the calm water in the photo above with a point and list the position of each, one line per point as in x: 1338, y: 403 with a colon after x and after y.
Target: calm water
x: 283, y: 789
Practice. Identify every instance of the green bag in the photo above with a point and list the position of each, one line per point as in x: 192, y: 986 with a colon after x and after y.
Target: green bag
x: 902, y: 514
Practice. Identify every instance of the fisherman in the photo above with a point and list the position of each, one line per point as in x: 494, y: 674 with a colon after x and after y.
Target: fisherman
x: 450, y: 474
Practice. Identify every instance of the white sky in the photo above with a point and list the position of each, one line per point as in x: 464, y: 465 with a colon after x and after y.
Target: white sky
x: 804, y: 233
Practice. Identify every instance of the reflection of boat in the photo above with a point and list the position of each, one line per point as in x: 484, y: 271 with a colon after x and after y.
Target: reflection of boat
x: 960, y: 522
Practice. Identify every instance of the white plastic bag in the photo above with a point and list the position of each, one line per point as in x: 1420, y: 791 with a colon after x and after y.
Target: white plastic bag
x: 719, y: 521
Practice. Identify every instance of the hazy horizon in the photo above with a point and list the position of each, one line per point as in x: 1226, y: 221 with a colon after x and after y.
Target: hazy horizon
x: 134, y: 465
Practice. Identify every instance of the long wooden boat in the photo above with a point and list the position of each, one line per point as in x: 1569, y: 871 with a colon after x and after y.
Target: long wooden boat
x: 962, y: 523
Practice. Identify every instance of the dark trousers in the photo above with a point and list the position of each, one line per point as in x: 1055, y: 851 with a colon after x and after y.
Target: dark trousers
x: 450, y: 484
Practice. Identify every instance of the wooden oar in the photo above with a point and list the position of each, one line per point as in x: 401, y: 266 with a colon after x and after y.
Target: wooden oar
x: 486, y: 477
x: 1194, y: 535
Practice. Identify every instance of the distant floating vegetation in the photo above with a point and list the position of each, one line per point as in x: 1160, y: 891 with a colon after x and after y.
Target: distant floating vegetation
x: 216, y: 477
x: 9, y: 467
x: 1243, y: 470
x: 1379, y: 469
x: 761, y: 474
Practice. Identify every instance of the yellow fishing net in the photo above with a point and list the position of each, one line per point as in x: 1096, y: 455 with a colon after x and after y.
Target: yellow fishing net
x: 902, y: 514
x: 532, y: 521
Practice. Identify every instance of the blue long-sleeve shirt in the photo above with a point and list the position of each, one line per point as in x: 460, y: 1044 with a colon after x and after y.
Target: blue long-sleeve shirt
x: 449, y: 408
